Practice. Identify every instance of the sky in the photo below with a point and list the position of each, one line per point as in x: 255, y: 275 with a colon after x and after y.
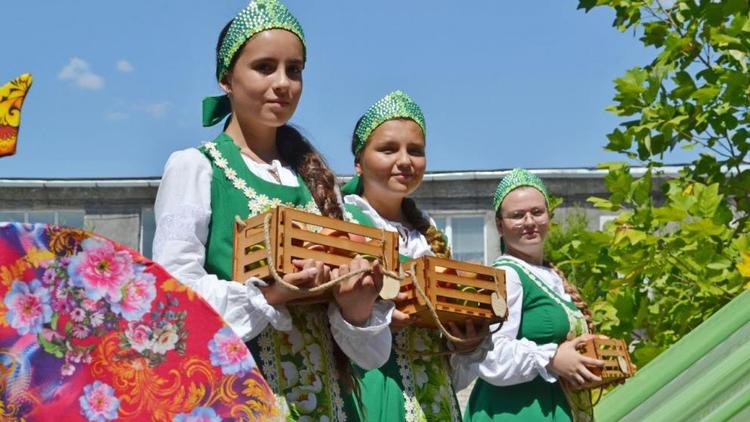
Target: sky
x: 118, y: 85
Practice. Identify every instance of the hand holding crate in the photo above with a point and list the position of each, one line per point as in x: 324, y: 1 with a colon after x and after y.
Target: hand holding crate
x: 614, y: 353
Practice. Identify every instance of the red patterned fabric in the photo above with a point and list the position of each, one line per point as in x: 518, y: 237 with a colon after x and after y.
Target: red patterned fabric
x: 91, y: 330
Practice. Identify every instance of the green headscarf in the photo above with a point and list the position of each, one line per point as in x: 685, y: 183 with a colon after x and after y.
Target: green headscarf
x: 515, y: 179
x: 258, y: 16
x: 396, y: 105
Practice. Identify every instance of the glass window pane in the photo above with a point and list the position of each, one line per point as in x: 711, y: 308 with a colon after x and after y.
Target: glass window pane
x: 148, y: 227
x: 468, y: 238
x: 70, y: 218
x: 45, y: 217
x: 12, y: 216
x: 440, y: 223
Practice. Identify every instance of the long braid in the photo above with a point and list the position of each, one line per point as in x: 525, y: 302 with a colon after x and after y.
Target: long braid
x: 299, y: 154
x: 419, y: 221
x: 296, y: 151
x: 575, y: 296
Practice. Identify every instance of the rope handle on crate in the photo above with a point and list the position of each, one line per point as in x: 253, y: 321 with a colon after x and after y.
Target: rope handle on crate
x: 436, y: 319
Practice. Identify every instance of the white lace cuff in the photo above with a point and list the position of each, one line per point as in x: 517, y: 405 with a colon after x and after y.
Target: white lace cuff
x: 542, y: 357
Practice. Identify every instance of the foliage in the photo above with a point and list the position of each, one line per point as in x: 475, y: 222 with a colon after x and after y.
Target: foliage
x: 669, y: 261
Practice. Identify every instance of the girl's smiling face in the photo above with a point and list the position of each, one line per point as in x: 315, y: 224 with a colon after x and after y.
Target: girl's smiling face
x: 393, y: 162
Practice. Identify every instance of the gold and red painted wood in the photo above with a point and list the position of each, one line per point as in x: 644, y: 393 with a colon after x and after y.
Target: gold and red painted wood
x: 12, y: 95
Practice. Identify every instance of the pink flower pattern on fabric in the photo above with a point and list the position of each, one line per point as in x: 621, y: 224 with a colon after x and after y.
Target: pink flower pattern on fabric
x: 137, y: 296
x: 139, y: 337
x: 98, y: 402
x: 101, y: 270
x: 230, y: 353
x: 28, y: 307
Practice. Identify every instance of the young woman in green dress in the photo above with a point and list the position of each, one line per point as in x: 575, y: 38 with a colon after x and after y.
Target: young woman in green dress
x: 389, y: 149
x: 256, y: 163
x: 536, y: 346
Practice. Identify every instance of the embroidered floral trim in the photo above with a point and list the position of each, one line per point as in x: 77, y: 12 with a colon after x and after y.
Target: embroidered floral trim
x: 410, y: 401
x: 309, y: 385
x: 428, y: 394
x: 257, y: 203
x: 576, y: 320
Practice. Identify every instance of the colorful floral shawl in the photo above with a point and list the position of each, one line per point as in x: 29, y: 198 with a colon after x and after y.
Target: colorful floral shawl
x: 91, y: 330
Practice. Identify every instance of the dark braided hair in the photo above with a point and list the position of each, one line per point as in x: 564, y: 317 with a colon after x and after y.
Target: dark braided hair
x: 301, y: 156
x: 575, y: 296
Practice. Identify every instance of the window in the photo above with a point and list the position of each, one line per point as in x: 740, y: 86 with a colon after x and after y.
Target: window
x: 148, y: 227
x: 69, y: 218
x: 604, y: 219
x: 465, y: 236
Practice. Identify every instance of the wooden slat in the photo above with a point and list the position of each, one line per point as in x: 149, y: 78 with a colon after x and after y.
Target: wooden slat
x: 459, y: 265
x: 450, y: 278
x: 336, y: 242
x: 331, y: 223
x: 468, y: 296
x: 326, y: 258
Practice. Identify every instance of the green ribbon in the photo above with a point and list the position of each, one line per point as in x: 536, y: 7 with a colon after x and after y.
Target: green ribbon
x: 215, y: 109
x: 353, y: 186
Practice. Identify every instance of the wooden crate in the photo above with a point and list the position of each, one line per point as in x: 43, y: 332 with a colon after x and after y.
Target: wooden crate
x: 296, y: 234
x: 614, y: 353
x: 442, y: 280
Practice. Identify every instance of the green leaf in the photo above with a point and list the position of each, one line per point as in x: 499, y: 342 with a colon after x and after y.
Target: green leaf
x: 602, y: 203
x: 586, y: 5
x: 51, y: 348
x: 619, y: 141
x: 706, y: 94
x: 720, y: 264
x: 669, y: 214
x: 741, y: 58
x: 708, y: 199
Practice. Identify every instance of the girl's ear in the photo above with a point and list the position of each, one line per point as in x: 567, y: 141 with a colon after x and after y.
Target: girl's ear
x: 225, y: 85
x: 358, y: 168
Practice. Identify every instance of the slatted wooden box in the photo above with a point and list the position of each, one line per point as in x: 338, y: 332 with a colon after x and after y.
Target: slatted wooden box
x: 457, y: 290
x: 296, y: 234
x: 617, y: 364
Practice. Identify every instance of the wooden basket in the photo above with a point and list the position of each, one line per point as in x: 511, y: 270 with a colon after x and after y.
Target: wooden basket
x: 614, y: 353
x: 457, y: 290
x: 296, y: 234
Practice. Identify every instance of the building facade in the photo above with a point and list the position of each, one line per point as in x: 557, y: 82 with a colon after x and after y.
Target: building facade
x: 460, y: 203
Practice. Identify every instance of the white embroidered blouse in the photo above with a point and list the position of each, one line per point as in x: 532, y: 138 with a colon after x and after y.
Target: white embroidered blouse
x: 512, y: 361
x: 183, y: 212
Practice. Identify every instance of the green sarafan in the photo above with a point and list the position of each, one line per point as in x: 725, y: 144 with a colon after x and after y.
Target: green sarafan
x: 661, y: 267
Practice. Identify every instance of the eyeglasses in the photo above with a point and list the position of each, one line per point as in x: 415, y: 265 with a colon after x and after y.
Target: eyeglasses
x: 518, y: 218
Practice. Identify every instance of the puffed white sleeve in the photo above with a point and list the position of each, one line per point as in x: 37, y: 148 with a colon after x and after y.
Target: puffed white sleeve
x: 369, y: 346
x: 510, y: 361
x: 183, y: 212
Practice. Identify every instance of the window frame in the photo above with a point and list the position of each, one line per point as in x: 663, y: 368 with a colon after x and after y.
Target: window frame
x: 449, y: 216
x: 56, y: 211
